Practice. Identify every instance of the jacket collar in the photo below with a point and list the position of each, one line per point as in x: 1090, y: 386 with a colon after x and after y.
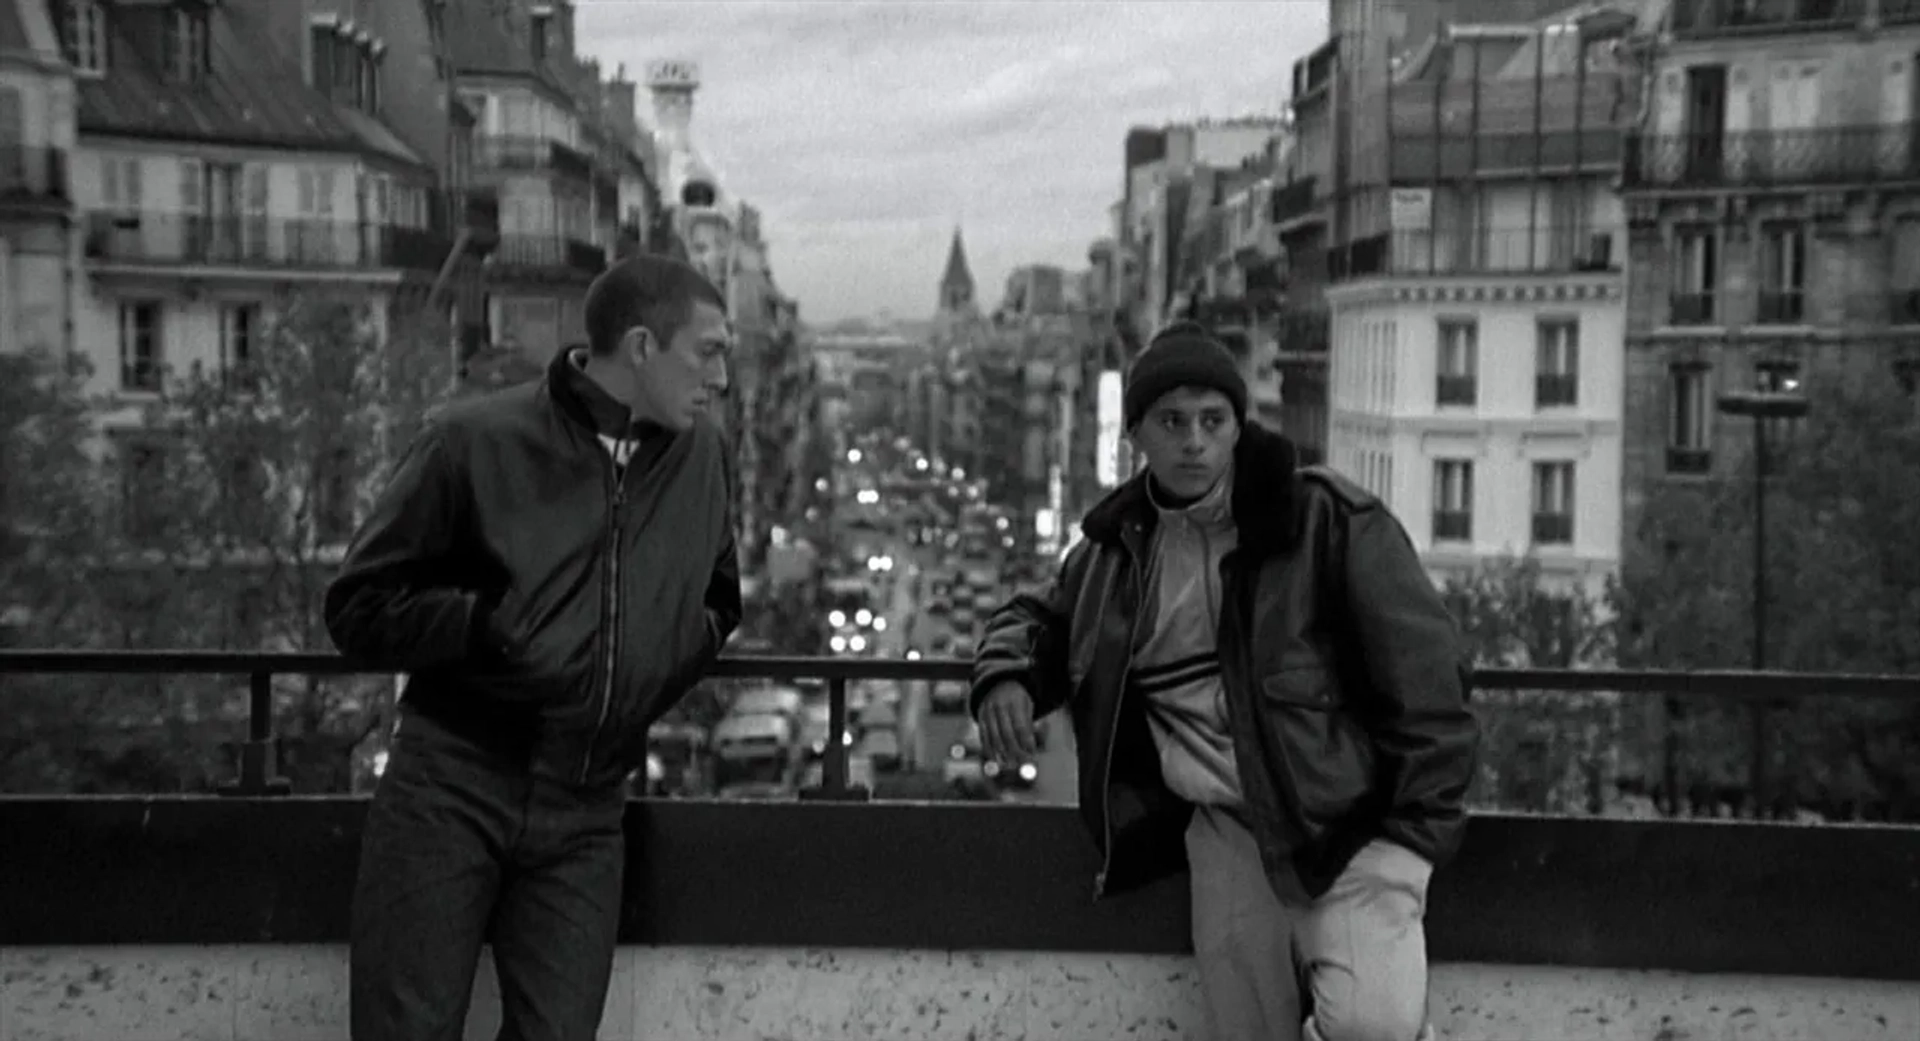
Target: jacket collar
x: 582, y: 401
x: 1262, y: 498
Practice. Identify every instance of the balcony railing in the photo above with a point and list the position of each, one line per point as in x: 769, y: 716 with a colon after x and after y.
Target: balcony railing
x: 1763, y: 158
x: 1781, y: 307
x: 1493, y: 251
x: 1556, y: 390
x: 1424, y: 159
x: 1706, y: 19
x: 1690, y: 309
x: 1452, y: 525
x: 1689, y: 460
x: 1552, y: 529
x: 553, y: 252
x: 1455, y: 390
x: 1305, y: 331
x: 259, y: 242
x: 33, y: 174
x: 526, y: 152
x: 1294, y: 200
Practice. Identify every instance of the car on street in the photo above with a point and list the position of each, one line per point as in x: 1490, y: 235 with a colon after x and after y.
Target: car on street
x: 754, y: 748
x: 948, y: 697
x: 964, y: 770
x: 882, y: 747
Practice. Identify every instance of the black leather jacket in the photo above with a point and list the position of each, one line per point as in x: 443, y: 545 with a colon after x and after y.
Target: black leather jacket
x: 1346, y: 679
x: 547, y: 604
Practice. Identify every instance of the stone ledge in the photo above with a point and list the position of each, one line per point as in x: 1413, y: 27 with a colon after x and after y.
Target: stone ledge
x: 298, y: 993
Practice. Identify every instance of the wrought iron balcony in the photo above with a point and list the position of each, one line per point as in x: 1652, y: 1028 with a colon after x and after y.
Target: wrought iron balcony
x: 1688, y: 460
x: 1691, y: 309
x: 1482, y: 251
x: 1452, y: 526
x: 528, y: 152
x: 1455, y: 390
x: 32, y: 174
x: 1866, y: 154
x: 1556, y: 390
x: 1294, y: 201
x: 1305, y: 330
x: 1781, y: 307
x: 1425, y: 158
x: 1552, y: 529
x: 191, y: 239
x: 552, y: 252
x: 1707, y: 19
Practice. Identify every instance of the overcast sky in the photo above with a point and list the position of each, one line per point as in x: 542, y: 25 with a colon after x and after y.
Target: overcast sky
x: 865, y: 132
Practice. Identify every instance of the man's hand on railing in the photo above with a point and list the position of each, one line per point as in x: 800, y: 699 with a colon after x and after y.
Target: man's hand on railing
x: 1006, y: 723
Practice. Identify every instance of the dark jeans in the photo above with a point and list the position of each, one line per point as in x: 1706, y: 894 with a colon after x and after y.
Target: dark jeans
x: 464, y: 848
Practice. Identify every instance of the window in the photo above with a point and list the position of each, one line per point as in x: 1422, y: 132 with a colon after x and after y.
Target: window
x: 239, y: 332
x: 84, y: 32
x: 1689, y: 419
x: 120, y: 184
x: 312, y: 237
x: 189, y: 53
x: 1783, y: 273
x: 320, y: 41
x: 1696, y: 273
x: 1452, y: 500
x: 1777, y: 376
x: 141, y: 357
x: 1552, y: 504
x: 542, y: 20
x: 1459, y: 362
x: 1556, y: 380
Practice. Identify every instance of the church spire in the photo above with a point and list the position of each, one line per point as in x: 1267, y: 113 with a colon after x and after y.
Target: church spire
x: 956, y: 286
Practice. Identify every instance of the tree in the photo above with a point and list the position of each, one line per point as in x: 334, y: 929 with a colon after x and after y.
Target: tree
x: 1843, y: 576
x: 234, y: 500
x: 1545, y: 751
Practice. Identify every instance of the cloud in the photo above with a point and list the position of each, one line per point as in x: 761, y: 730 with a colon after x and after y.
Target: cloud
x: 865, y: 131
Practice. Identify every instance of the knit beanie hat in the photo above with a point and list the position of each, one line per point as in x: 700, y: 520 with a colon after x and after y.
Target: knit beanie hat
x: 1183, y: 354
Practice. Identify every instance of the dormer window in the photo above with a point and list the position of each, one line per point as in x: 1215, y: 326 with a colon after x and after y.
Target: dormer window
x: 83, y: 31
x: 542, y: 24
x: 189, y: 48
x: 344, y: 63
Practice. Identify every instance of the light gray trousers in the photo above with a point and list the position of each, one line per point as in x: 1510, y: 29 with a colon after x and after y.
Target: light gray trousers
x: 1361, y: 946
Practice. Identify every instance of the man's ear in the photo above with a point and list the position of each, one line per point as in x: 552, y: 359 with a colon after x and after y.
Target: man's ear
x: 638, y: 343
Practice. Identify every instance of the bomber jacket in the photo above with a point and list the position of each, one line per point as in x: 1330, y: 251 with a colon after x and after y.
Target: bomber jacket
x: 1346, y: 679
x: 547, y: 601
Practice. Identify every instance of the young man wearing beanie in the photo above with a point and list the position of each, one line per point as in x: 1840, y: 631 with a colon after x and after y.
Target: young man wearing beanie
x: 553, y: 566
x: 1265, y: 688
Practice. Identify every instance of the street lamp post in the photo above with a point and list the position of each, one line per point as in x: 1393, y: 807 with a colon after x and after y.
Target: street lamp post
x: 1777, y: 399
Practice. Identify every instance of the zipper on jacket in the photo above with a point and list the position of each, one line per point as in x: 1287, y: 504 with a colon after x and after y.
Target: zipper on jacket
x: 610, y: 613
x: 1113, y: 732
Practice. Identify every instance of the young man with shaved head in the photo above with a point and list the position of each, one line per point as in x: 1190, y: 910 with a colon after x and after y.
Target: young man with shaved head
x: 1266, y: 689
x: 553, y: 566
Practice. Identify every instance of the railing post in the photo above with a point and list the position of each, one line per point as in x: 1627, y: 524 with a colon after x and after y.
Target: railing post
x: 258, y: 775
x: 833, y: 768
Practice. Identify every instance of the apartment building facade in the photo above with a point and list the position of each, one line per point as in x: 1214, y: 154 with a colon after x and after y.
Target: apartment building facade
x: 1773, y: 199
x: 37, y: 244
x: 1477, y: 329
x: 212, y: 179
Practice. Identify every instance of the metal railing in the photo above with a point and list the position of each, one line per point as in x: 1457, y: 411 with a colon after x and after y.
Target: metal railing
x: 149, y: 237
x: 522, y: 249
x: 529, y: 152
x: 258, y: 775
x: 1705, y: 19
x: 33, y: 173
x: 1293, y: 200
x: 1863, y: 154
x: 1493, y: 251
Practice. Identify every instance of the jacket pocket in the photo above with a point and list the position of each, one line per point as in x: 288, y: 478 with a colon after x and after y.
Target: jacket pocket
x: 1325, y: 757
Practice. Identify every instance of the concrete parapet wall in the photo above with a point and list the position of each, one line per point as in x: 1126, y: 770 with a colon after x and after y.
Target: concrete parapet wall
x: 299, y: 993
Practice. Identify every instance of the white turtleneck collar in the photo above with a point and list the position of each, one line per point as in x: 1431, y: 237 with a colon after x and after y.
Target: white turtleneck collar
x: 1212, y: 510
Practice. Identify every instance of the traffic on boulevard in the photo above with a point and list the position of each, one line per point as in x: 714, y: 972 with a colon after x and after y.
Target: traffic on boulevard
x: 907, y: 564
